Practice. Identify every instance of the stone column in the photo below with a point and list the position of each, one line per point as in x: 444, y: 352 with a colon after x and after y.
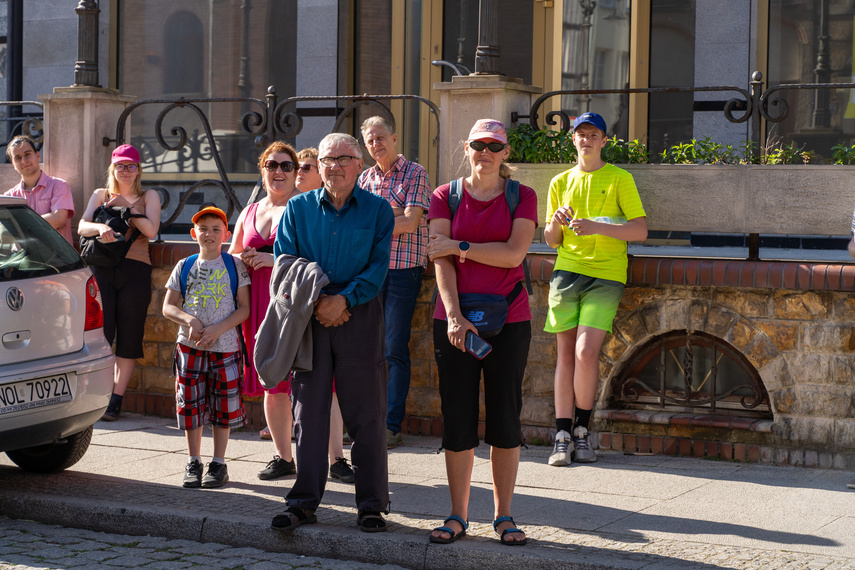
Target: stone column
x: 76, y: 121
x: 468, y: 98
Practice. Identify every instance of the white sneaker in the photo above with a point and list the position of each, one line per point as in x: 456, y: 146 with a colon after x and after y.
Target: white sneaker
x: 583, y: 452
x: 562, y: 450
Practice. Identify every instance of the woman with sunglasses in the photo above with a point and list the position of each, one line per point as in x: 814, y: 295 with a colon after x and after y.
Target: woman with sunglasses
x: 308, y: 175
x: 479, y: 248
x: 126, y: 288
x: 255, y: 232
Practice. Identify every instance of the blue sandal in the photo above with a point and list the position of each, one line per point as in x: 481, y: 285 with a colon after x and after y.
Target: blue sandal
x: 511, y: 530
x: 454, y: 535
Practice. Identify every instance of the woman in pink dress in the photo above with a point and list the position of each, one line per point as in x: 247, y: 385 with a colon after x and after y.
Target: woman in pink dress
x: 255, y: 232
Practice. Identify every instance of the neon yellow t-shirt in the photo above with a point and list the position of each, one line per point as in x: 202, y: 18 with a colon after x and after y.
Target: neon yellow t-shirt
x: 605, y: 195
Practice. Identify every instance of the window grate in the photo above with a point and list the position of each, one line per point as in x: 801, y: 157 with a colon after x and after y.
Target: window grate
x: 689, y: 371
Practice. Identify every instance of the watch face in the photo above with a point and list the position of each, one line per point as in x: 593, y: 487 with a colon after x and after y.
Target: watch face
x: 464, y: 246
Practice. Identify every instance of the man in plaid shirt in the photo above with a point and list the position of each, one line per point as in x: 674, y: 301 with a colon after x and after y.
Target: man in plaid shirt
x: 405, y: 185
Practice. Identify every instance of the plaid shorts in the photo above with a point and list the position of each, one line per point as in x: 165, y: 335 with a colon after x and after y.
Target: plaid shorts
x: 208, y: 384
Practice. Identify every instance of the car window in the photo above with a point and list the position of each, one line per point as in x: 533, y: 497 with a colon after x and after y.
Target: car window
x: 30, y: 247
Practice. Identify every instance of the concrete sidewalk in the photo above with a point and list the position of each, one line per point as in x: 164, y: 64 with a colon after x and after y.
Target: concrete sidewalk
x: 621, y: 512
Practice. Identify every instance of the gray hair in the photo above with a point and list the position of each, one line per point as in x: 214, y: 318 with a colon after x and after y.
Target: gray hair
x: 377, y: 121
x: 334, y: 139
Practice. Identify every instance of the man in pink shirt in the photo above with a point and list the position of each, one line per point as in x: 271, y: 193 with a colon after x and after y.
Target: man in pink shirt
x: 49, y: 197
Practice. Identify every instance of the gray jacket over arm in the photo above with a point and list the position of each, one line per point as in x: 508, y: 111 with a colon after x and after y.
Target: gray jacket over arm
x: 283, y: 341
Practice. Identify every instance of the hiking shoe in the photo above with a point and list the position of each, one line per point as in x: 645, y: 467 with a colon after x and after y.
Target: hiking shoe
x: 193, y: 474
x: 341, y: 470
x: 217, y: 475
x: 393, y: 439
x: 277, y: 467
x: 581, y: 442
x: 562, y: 450
x: 111, y: 414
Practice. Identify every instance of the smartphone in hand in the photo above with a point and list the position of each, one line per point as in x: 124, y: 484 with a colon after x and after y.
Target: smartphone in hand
x: 477, y: 346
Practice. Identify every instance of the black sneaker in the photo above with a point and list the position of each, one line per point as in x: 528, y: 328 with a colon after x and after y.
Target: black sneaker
x: 193, y: 474
x: 341, y: 470
x: 111, y: 414
x: 277, y: 467
x: 217, y: 475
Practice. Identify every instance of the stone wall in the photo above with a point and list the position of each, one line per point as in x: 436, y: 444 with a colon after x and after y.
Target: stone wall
x: 792, y: 321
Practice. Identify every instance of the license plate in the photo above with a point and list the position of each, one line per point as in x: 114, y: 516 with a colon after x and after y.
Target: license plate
x: 35, y: 393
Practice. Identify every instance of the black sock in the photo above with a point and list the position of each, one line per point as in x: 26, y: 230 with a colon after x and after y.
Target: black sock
x: 565, y: 424
x: 116, y: 401
x: 583, y: 417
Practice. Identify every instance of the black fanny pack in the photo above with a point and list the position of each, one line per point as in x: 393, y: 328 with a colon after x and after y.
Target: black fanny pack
x: 488, y: 312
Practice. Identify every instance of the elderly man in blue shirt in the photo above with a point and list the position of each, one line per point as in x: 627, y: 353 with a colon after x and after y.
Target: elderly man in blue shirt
x: 348, y: 231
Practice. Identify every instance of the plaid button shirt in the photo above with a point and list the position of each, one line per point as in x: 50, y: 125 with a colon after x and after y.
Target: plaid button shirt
x: 406, y: 184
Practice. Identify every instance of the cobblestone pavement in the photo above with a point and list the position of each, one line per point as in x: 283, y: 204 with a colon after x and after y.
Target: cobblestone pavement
x: 28, y: 544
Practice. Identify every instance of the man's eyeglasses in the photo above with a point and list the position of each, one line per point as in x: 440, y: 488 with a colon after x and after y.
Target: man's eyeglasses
x: 342, y: 161
x: 285, y: 165
x: 306, y: 167
x: 481, y: 145
x: 127, y: 167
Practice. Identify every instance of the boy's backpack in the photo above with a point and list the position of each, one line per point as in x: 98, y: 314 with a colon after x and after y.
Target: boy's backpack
x: 229, y: 262
x: 512, y: 195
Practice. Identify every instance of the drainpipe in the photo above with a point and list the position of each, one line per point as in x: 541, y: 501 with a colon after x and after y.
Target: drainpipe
x: 14, y: 60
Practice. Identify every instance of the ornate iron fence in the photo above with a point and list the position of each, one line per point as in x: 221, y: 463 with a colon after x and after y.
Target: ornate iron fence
x: 20, y: 123
x: 755, y: 104
x: 266, y: 120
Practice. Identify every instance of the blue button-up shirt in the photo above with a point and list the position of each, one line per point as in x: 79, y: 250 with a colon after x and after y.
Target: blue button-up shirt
x: 352, y: 245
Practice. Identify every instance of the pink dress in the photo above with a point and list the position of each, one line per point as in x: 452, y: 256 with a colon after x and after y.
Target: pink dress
x: 259, y: 299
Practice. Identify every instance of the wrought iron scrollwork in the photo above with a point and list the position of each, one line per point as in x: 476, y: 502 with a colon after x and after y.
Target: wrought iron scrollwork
x: 689, y: 387
x: 265, y: 121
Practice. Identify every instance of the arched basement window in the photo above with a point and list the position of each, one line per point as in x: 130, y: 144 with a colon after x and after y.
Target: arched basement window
x: 691, y: 372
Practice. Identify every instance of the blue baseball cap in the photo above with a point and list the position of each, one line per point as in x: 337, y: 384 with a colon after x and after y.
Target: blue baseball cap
x: 591, y: 119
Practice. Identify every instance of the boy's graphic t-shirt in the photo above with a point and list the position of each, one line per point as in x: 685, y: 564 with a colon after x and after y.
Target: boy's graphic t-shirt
x: 209, y: 298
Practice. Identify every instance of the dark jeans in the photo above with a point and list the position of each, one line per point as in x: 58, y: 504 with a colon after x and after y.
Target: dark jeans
x: 400, y: 292
x: 352, y: 354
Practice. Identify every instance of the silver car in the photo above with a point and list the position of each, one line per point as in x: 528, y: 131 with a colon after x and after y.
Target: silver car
x: 56, y: 368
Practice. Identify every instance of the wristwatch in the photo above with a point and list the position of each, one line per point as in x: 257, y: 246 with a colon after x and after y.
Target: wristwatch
x: 463, y: 247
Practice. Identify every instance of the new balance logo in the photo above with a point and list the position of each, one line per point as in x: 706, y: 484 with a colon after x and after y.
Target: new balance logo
x: 475, y: 316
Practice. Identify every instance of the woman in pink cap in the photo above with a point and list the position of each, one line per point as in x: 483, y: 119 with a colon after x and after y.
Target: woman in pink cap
x: 481, y: 227
x: 126, y: 288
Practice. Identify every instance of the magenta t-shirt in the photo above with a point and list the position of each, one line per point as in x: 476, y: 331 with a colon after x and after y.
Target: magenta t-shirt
x: 485, y: 222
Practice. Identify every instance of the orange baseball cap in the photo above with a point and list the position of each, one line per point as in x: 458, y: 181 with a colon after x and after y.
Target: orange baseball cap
x: 211, y: 210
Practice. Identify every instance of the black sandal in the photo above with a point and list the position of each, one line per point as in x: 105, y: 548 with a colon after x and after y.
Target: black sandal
x: 448, y: 530
x: 293, y: 518
x: 370, y: 521
x: 511, y: 530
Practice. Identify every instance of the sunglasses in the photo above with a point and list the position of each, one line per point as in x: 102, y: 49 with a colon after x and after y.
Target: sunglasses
x: 126, y: 167
x: 481, y: 145
x: 285, y: 165
x: 306, y: 167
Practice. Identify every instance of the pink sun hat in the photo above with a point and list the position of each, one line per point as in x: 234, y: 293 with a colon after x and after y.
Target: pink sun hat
x: 124, y: 153
x: 488, y: 129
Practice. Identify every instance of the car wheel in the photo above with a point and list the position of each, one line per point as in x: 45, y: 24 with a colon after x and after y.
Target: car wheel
x: 53, y: 456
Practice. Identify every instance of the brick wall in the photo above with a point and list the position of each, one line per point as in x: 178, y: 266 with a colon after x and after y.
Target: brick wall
x: 792, y: 321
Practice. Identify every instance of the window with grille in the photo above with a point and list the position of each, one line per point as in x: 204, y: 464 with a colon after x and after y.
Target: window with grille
x: 684, y: 371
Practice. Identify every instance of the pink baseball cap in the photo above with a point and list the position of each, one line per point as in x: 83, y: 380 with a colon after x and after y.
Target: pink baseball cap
x: 489, y: 129
x: 124, y: 153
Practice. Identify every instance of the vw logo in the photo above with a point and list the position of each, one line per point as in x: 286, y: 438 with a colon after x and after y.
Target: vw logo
x: 15, y: 298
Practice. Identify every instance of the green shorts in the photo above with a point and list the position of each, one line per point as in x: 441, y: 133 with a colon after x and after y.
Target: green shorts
x: 576, y: 299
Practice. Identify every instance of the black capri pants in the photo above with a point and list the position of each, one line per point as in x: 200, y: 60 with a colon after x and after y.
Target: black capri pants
x: 459, y: 387
x: 125, y: 294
